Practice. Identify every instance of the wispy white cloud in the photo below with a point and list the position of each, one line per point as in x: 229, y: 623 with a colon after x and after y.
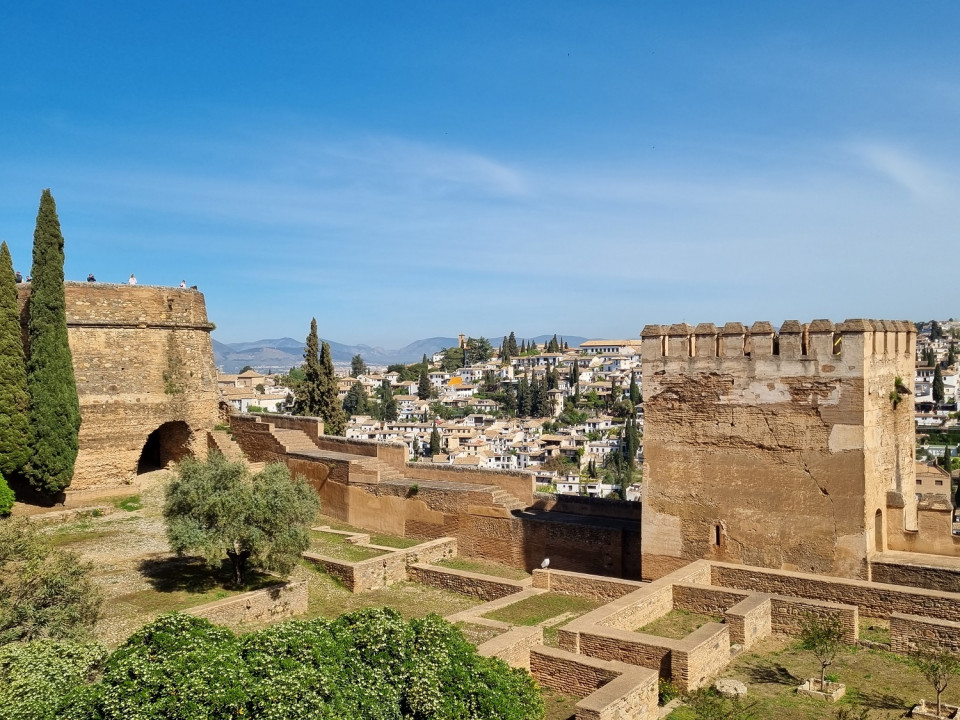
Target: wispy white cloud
x: 918, y: 177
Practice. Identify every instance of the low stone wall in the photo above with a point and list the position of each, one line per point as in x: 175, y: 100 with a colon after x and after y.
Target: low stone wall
x: 788, y: 614
x: 484, y: 587
x: 699, y: 656
x: 583, y: 585
x: 872, y: 599
x: 749, y: 620
x: 633, y: 648
x: 518, y: 484
x: 588, y: 506
x: 639, y: 608
x: 270, y: 604
x: 513, y: 647
x: 930, y: 577
x: 706, y: 599
x: 610, y: 690
x: 909, y: 633
x: 311, y: 426
x: 255, y: 439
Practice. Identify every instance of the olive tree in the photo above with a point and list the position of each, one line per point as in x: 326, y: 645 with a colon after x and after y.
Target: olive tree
x: 938, y: 666
x: 823, y: 636
x: 217, y: 508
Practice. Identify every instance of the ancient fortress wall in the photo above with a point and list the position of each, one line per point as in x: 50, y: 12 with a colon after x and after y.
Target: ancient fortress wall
x: 144, y: 367
x: 774, y: 449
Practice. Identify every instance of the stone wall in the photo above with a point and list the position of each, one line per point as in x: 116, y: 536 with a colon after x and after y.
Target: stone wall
x: 484, y: 587
x: 870, y: 598
x: 519, y: 484
x: 387, y: 569
x: 583, y: 585
x: 918, y: 571
x: 749, y: 620
x: 610, y: 690
x: 277, y: 602
x: 788, y: 614
x: 513, y: 647
x: 910, y: 633
x: 699, y: 656
x: 803, y: 441
x: 143, y: 362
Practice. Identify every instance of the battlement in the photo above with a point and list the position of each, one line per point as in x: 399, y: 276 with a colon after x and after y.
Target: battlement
x: 821, y: 340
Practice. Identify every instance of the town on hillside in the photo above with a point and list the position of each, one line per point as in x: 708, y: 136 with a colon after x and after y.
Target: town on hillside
x: 571, y: 416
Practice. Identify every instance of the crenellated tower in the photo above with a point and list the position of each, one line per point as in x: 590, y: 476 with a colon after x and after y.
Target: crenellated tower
x: 776, y: 449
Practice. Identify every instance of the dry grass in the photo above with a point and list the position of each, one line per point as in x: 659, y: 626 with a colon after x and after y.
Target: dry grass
x: 478, y: 634
x: 484, y: 567
x: 559, y: 706
x: 677, y: 624
x: 335, y: 546
x: 887, y: 685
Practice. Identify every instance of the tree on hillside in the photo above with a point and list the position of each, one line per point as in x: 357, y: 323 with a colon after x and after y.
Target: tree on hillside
x: 512, y: 349
x: 54, y: 405
x: 823, y: 636
x: 634, y: 389
x: 434, y: 441
x: 355, y: 403
x: 44, y: 591
x: 216, y: 507
x: 310, y: 387
x: 357, y: 366
x: 331, y: 409
x: 938, y: 386
x: 524, y: 398
x: 423, y: 386
x: 388, y: 403
x: 477, y: 350
x: 14, y: 400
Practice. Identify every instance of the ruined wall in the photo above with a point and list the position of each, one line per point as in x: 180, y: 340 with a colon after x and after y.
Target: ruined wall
x: 774, y: 450
x: 143, y: 362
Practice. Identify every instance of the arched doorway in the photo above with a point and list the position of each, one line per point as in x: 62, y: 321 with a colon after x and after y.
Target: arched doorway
x: 878, y: 531
x: 167, y: 444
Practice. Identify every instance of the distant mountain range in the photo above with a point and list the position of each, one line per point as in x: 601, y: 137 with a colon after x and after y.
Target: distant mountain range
x: 285, y: 353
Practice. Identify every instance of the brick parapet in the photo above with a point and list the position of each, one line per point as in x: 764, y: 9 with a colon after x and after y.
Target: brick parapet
x: 513, y: 646
x: 750, y: 620
x: 699, y: 656
x: 910, y: 633
x: 484, y: 587
x: 788, y: 614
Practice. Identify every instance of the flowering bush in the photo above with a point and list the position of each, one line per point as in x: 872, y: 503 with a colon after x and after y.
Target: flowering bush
x: 367, y: 665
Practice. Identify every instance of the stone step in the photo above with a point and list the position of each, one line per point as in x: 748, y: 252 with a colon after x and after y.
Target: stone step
x: 227, y: 446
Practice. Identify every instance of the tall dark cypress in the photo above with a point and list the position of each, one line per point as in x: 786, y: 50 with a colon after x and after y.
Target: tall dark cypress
x: 423, y: 385
x: 309, y: 391
x: 331, y: 410
x: 54, y: 405
x: 14, y: 400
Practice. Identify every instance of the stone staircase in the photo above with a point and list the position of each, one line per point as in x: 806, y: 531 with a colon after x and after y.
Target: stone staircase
x: 294, y: 440
x: 502, y: 497
x: 384, y: 472
x: 224, y: 442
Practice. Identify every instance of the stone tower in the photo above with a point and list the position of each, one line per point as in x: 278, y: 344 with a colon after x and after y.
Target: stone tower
x: 146, y: 379
x: 774, y: 449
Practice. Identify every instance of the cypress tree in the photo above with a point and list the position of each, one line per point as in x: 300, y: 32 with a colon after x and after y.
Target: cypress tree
x: 54, y: 405
x: 423, y: 386
x: 512, y: 348
x: 334, y: 419
x: 634, y: 389
x: 309, y: 390
x: 14, y: 400
x: 388, y: 403
x: 355, y: 403
x: 434, y: 441
x: 938, y: 394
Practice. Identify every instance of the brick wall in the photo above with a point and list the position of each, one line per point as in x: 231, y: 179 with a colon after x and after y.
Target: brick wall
x: 633, y: 648
x: 484, y: 587
x: 583, y: 585
x: 908, y: 633
x: 706, y: 599
x: 699, y: 656
x: 518, y: 484
x: 871, y: 599
x: 916, y: 574
x: 787, y: 615
x: 749, y: 620
x: 258, y: 606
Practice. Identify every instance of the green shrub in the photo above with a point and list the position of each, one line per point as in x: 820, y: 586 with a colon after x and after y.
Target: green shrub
x: 6, y: 498
x: 666, y: 692
x: 367, y: 665
x: 37, y: 677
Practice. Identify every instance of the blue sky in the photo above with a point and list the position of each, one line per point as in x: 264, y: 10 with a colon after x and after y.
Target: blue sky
x: 403, y: 170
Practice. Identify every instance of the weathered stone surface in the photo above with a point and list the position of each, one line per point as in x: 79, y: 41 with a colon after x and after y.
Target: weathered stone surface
x: 731, y: 688
x: 775, y: 451
x: 143, y: 360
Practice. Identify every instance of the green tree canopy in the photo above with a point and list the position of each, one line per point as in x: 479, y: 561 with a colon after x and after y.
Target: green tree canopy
x: 310, y: 388
x: 54, y: 405
x: 216, y: 507
x: 938, y: 393
x: 357, y: 366
x: 355, y: 403
x: 388, y: 403
x: 44, y: 591
x: 423, y: 385
x: 434, y: 441
x: 331, y: 409
x: 14, y: 400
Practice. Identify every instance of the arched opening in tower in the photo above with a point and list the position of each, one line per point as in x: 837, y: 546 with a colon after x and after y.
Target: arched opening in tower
x: 169, y: 443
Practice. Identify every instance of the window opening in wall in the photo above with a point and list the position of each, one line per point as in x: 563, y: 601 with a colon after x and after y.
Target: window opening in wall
x: 837, y: 343
x: 878, y: 532
x: 716, y: 535
x: 803, y: 343
x: 776, y: 344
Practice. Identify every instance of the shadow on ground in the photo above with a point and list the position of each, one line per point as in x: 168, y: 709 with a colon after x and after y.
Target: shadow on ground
x: 193, y: 575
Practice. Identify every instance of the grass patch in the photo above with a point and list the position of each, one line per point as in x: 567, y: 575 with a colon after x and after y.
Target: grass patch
x: 181, y: 583
x: 329, y: 598
x: 534, y: 610
x: 888, y: 685
x: 131, y: 503
x: 677, y: 624
x: 64, y: 539
x: 484, y: 567
x: 334, y: 546
x: 478, y: 634
x: 559, y: 706
x: 875, y: 630
x: 394, y: 541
